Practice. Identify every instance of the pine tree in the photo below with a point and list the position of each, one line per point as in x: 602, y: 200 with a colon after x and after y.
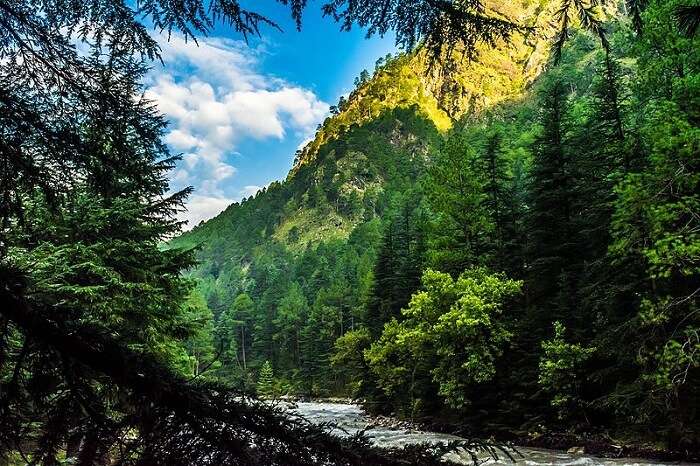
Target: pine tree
x: 92, y: 252
x: 397, y: 269
x: 241, y: 316
x: 292, y: 312
x: 200, y: 346
x: 495, y: 176
x: 318, y: 337
x: 502, y: 206
x: 265, y: 387
x: 604, y: 158
x: 554, y: 245
x: 380, y: 304
x: 455, y: 191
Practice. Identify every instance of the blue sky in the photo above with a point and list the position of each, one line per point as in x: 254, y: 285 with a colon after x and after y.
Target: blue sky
x: 239, y: 111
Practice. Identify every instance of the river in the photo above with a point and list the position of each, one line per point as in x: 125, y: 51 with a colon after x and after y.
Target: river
x: 351, y: 418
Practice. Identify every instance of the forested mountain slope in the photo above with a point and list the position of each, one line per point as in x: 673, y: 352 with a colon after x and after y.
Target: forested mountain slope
x: 485, y: 240
x: 313, y: 238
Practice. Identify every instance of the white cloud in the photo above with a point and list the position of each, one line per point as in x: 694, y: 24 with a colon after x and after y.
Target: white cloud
x: 215, y: 96
x: 203, y: 208
x: 179, y: 140
x: 250, y: 190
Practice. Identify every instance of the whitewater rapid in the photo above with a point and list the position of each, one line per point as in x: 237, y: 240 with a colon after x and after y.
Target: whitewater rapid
x: 350, y: 418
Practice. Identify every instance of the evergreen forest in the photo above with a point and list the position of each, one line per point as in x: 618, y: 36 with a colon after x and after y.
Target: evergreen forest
x: 497, y: 230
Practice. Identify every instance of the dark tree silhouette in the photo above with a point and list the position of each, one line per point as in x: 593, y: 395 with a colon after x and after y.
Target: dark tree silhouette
x: 688, y: 18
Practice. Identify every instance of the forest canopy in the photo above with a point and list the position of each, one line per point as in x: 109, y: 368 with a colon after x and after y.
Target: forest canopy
x: 548, y: 243
x: 100, y: 335
x: 528, y: 265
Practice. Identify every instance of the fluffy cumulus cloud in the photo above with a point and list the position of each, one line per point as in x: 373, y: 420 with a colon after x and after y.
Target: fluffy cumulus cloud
x: 215, y: 96
x: 201, y: 208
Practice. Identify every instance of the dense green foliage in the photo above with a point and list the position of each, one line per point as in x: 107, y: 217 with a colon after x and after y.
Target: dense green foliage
x: 107, y: 352
x: 451, y: 334
x: 535, y: 262
x: 297, y: 274
x: 459, y: 240
x: 561, y: 370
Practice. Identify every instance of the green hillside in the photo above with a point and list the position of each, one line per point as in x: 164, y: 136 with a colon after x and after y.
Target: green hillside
x: 503, y: 242
x: 495, y: 235
x: 374, y: 146
x: 318, y: 232
x: 313, y: 238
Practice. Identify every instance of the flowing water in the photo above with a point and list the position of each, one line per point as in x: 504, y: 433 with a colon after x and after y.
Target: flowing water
x: 350, y: 418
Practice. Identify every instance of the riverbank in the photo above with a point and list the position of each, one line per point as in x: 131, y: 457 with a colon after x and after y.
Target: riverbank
x: 595, y: 444
x: 602, y: 446
x: 598, y: 445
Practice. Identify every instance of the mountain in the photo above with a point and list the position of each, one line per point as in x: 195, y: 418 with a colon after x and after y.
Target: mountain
x: 319, y: 231
x: 375, y: 142
x: 492, y: 243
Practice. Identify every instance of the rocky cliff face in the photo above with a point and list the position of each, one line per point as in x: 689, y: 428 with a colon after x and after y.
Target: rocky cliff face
x: 448, y: 88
